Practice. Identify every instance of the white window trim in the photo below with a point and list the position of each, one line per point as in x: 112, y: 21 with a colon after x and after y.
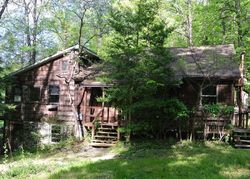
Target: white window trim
x: 48, y: 93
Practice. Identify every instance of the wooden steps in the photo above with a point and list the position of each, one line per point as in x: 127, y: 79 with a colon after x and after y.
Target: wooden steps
x: 241, y: 138
x: 105, y: 136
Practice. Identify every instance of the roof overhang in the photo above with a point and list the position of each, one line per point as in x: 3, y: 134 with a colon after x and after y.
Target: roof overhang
x: 54, y: 57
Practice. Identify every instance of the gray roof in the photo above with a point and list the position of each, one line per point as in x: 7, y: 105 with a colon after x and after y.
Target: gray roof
x: 54, y: 57
x: 206, y: 61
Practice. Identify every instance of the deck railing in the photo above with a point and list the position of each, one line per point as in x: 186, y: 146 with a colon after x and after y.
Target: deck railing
x: 244, y: 123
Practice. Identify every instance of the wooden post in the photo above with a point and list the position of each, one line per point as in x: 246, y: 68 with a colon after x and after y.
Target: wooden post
x: 241, y: 84
x: 93, y: 132
x: 240, y: 107
x: 103, y: 115
x: 108, y: 115
x: 247, y: 120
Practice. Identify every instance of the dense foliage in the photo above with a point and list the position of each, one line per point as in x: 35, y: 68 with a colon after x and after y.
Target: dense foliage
x: 132, y: 40
x: 138, y: 66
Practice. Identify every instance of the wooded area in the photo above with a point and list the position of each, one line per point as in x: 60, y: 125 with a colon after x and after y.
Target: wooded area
x: 134, y: 41
x: 165, y: 83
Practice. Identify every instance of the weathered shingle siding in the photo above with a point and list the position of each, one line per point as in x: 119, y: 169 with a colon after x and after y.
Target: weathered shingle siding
x: 43, y: 76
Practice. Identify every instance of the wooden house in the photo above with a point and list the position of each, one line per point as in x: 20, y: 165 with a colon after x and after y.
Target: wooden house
x: 210, y: 75
x: 58, y: 96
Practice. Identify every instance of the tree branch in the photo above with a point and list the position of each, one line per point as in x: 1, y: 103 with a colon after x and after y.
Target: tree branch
x: 4, y: 6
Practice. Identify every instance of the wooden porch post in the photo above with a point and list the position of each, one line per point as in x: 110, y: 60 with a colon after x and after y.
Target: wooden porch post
x: 247, y: 120
x: 241, y: 81
x: 240, y: 107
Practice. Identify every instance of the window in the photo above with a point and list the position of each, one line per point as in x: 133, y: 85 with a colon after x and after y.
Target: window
x: 56, y: 133
x: 54, y: 92
x: 64, y: 66
x: 34, y: 93
x: 17, y: 94
x: 59, y: 132
x: 209, y: 95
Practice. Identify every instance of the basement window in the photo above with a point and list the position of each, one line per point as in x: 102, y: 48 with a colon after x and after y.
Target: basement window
x: 54, y: 92
x: 59, y: 132
x: 209, y: 95
x: 34, y: 94
x: 56, y: 131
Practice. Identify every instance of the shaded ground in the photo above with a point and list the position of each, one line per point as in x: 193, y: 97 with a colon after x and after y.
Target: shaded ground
x: 42, y: 165
x: 188, y: 160
x: 138, y: 160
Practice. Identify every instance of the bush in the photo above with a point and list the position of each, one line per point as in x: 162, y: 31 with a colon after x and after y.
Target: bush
x: 158, y: 119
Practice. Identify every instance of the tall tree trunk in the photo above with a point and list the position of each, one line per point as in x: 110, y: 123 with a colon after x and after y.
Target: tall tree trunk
x: 27, y: 30
x: 34, y: 32
x: 4, y: 6
x: 31, y: 19
x: 190, y: 23
x: 238, y: 22
x: 223, y: 25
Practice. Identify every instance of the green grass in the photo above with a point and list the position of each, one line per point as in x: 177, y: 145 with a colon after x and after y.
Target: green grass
x: 143, y: 160
x: 188, y: 160
x: 1, y: 123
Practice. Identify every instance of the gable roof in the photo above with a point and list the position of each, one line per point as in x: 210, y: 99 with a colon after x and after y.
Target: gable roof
x: 206, y: 61
x: 196, y: 62
x: 54, y: 57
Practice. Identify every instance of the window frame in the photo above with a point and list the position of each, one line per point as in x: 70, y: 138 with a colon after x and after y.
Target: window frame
x: 56, y: 137
x: 58, y: 132
x: 62, y: 66
x: 29, y: 93
x: 49, y: 94
x: 15, y: 94
x: 209, y: 95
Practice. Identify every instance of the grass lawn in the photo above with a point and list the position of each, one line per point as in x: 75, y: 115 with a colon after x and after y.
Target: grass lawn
x: 142, y: 160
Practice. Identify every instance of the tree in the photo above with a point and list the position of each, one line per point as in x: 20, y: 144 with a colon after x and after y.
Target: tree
x: 81, y: 11
x: 4, y: 5
x: 81, y: 22
x: 137, y: 64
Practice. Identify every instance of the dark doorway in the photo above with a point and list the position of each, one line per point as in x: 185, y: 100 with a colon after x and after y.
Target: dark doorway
x: 96, y: 92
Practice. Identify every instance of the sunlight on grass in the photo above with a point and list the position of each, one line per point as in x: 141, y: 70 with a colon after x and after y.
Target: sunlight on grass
x: 185, y: 160
x: 147, y: 161
x: 236, y: 172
